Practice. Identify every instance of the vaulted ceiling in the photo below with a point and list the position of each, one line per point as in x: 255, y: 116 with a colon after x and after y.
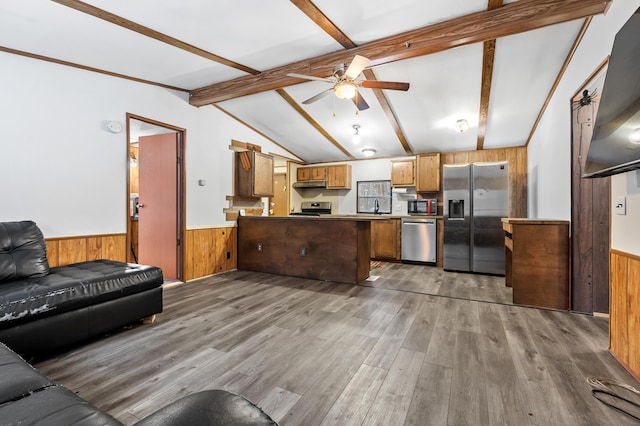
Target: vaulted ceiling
x: 494, y: 63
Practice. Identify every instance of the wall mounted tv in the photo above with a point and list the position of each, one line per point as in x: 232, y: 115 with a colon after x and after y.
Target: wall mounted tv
x: 615, y: 146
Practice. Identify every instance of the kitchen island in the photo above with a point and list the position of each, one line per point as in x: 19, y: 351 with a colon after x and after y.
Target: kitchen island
x: 324, y: 248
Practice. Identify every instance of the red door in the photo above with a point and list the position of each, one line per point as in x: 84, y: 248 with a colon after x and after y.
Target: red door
x: 158, y: 213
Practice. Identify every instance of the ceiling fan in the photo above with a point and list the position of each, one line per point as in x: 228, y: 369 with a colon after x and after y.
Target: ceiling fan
x: 346, y: 83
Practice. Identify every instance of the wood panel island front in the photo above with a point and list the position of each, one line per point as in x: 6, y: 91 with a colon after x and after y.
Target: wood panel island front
x: 322, y: 248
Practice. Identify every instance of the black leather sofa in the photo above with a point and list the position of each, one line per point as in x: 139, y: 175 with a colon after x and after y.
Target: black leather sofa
x: 45, y: 309
x: 29, y: 398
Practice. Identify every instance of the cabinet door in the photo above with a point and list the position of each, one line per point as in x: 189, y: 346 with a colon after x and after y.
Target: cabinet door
x: 402, y: 173
x: 428, y: 172
x: 384, y: 239
x: 318, y: 173
x: 262, y: 175
x: 303, y: 174
x: 339, y: 177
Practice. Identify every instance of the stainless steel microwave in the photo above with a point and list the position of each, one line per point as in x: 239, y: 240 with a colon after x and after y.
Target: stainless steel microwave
x: 426, y: 207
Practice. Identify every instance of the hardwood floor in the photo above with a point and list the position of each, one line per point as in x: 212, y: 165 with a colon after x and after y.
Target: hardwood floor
x: 312, y: 352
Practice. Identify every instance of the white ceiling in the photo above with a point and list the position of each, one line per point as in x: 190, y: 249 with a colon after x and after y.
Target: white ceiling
x: 262, y: 35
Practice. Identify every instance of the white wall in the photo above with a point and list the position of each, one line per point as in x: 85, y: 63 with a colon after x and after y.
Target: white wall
x: 625, y: 229
x: 60, y: 167
x: 549, y: 151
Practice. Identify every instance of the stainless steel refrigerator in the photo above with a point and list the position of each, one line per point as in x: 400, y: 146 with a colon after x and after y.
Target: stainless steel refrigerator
x: 475, y: 198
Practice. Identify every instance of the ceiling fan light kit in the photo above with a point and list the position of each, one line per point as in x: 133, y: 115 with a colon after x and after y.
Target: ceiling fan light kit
x: 346, y: 83
x: 345, y: 90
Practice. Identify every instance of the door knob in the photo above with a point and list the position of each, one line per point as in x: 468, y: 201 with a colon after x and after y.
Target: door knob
x: 140, y: 205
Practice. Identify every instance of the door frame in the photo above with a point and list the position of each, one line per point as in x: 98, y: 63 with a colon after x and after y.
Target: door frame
x: 181, y: 213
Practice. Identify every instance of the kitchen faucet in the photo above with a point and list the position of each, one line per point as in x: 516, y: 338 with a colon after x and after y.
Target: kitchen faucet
x: 376, y: 206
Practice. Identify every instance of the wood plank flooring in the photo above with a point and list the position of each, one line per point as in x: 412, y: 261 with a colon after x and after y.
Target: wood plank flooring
x: 321, y: 353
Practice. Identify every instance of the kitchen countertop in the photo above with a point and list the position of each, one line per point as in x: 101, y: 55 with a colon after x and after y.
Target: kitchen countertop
x: 354, y: 216
x: 526, y: 221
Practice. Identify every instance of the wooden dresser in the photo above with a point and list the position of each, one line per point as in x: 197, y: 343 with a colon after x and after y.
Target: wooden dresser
x: 537, y: 261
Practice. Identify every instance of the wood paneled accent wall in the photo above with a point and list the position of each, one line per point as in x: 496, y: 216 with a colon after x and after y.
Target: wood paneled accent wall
x: 63, y: 251
x: 209, y: 251
x: 624, y: 320
x: 590, y: 221
x: 517, y: 158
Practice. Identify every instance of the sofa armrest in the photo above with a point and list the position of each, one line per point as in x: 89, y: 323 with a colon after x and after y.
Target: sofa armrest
x: 209, y: 407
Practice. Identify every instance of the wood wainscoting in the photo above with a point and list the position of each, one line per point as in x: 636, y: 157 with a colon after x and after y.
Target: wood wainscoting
x: 209, y: 251
x: 624, y: 322
x: 66, y: 250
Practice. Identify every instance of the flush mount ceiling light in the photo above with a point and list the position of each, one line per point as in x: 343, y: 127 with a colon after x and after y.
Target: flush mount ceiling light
x: 461, y: 126
x: 346, y: 90
x: 356, y: 136
x: 634, y: 137
x: 368, y: 152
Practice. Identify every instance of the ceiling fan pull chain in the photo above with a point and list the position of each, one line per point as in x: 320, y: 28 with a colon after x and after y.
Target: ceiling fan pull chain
x: 334, y: 106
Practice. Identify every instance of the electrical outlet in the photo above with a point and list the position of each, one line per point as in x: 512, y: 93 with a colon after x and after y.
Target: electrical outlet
x: 303, y: 252
x: 621, y: 206
x: 259, y: 247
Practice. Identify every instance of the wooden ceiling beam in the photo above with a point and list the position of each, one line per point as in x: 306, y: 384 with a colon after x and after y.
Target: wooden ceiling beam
x: 513, y: 18
x: 146, y: 31
x: 488, y: 56
x: 313, y: 122
x: 321, y: 20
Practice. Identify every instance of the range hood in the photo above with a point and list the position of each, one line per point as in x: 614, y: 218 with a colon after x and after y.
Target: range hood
x: 615, y: 146
x: 310, y: 184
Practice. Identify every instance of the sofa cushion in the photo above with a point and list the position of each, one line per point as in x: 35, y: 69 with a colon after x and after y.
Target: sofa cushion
x: 19, y: 379
x: 72, y: 287
x: 23, y: 252
x: 54, y: 405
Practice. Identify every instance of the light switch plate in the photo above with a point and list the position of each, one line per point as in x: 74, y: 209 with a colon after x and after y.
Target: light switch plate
x: 621, y: 205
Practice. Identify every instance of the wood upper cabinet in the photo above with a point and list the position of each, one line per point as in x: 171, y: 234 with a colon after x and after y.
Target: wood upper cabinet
x: 403, y: 173
x: 318, y: 173
x: 254, y: 174
x: 339, y: 177
x: 311, y: 173
x: 428, y: 172
x: 303, y: 174
x: 385, y: 239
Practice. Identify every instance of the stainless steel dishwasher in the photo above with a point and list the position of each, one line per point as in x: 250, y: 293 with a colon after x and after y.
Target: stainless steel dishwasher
x: 419, y: 238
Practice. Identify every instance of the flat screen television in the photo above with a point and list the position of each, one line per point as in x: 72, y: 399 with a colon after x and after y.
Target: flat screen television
x: 615, y: 146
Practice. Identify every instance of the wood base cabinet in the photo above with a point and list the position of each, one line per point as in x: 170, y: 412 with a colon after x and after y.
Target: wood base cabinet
x: 537, y: 262
x: 385, y: 239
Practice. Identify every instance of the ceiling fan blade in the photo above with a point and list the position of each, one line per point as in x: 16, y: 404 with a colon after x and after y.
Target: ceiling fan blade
x: 392, y: 85
x: 359, y: 102
x: 356, y: 66
x: 310, y: 77
x: 318, y: 96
